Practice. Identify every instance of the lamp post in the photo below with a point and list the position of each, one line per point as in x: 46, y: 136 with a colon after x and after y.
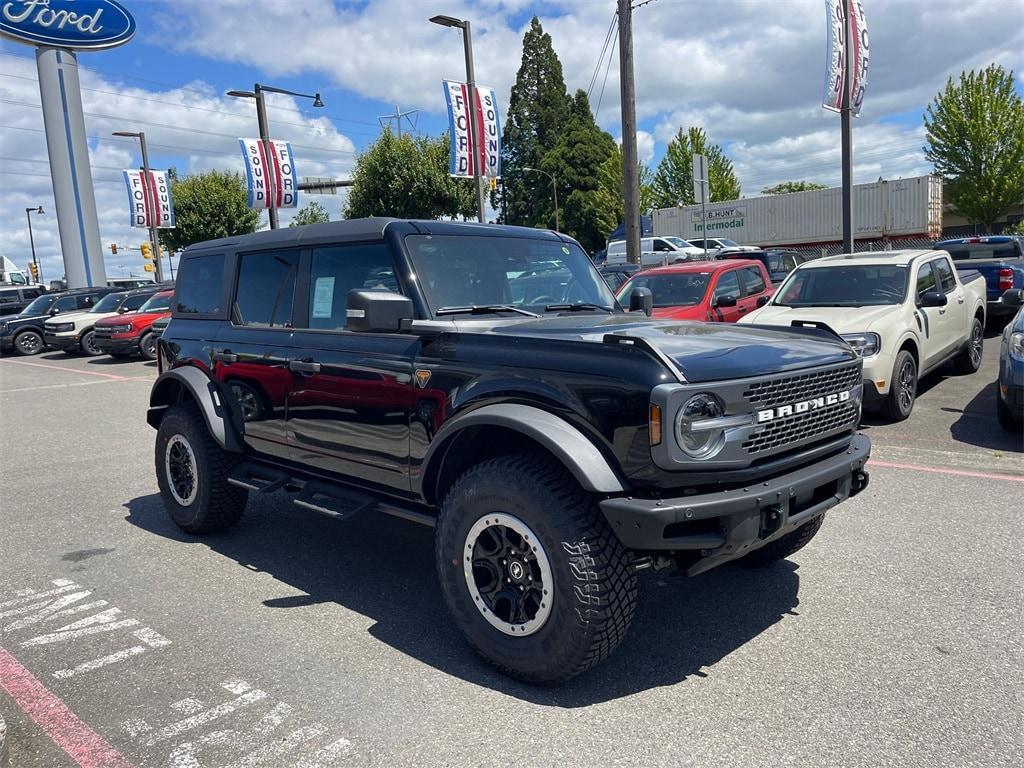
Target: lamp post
x: 554, y: 191
x: 31, y: 240
x: 154, y: 236
x: 474, y: 138
x: 261, y: 117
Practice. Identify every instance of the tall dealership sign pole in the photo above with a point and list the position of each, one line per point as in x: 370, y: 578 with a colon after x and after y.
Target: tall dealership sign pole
x: 59, y: 28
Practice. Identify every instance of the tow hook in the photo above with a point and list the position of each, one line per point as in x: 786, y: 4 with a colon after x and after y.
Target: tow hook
x: 858, y: 482
x: 771, y: 521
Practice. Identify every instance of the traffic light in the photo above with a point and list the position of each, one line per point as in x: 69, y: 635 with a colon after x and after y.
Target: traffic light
x: 113, y: 248
x: 147, y: 250
x: 148, y: 267
x: 34, y: 269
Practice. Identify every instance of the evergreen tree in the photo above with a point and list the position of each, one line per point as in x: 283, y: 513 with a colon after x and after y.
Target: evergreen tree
x: 673, y: 181
x: 537, y: 112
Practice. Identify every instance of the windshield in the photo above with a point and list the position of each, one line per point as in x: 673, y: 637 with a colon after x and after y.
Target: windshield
x: 727, y: 243
x: 679, y: 290
x: 39, y: 306
x: 678, y: 242
x: 529, y: 274
x: 160, y: 302
x: 844, y: 286
x: 109, y: 303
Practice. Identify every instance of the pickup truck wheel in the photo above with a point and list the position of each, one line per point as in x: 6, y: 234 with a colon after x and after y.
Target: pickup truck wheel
x: 969, y: 360
x: 28, y: 343
x: 902, y: 388
x: 88, y: 344
x: 783, y: 547
x: 147, y: 346
x: 192, y: 472
x: 531, y: 572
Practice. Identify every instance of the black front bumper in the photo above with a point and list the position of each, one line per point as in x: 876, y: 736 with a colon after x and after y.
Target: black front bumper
x: 63, y: 343
x: 108, y: 345
x: 725, y: 525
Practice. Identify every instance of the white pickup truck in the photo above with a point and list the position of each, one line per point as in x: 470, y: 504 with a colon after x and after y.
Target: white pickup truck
x: 905, y: 312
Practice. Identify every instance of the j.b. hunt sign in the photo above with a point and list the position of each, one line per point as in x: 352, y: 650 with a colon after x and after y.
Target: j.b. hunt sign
x: 721, y: 219
x: 269, y: 173
x: 462, y: 162
x: 149, y: 199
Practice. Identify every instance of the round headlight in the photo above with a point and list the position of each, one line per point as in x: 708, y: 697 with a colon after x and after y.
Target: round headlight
x: 695, y: 441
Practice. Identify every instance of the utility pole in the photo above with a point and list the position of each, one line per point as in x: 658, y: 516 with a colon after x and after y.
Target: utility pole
x: 846, y: 117
x: 397, y: 117
x: 630, y: 173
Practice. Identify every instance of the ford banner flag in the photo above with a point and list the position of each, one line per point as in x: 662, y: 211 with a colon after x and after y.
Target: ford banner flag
x: 462, y: 163
x: 149, y: 199
x: 269, y: 173
x: 838, y: 50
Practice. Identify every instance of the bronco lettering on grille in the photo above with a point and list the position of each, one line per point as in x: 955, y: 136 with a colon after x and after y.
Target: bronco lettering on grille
x: 804, y: 406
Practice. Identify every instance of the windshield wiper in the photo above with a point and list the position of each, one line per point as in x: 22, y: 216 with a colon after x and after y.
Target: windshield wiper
x: 483, y: 309
x: 583, y: 305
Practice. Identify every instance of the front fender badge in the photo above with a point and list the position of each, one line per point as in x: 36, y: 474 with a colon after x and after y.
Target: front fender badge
x: 422, y: 377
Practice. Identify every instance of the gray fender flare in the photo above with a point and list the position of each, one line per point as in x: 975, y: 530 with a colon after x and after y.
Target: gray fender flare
x: 570, y: 446
x: 208, y: 395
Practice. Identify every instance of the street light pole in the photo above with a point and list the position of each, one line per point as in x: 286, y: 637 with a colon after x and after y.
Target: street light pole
x: 31, y: 239
x: 554, y: 192
x: 154, y: 235
x: 475, y: 140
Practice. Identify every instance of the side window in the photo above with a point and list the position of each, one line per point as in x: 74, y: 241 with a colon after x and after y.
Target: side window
x: 265, y: 290
x: 789, y: 262
x: 661, y: 245
x: 17, y: 278
x: 774, y: 262
x: 66, y: 304
x: 336, y: 270
x: 925, y: 279
x: 945, y: 274
x: 8, y: 297
x: 31, y: 293
x: 134, y: 302
x: 728, y: 285
x: 80, y: 302
x: 199, y: 283
x: 752, y: 281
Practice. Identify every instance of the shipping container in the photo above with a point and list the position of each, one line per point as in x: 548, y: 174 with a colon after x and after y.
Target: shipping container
x: 883, y: 209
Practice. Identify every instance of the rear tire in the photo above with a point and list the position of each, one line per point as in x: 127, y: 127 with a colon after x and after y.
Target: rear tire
x: 969, y: 360
x: 192, y: 472
x: 530, y: 570
x: 782, y: 548
x: 902, y: 388
x: 28, y: 343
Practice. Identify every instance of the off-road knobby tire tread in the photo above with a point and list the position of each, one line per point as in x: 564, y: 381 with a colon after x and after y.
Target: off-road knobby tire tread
x: 782, y: 548
x: 226, y: 502
x: 962, y: 362
x: 606, y: 583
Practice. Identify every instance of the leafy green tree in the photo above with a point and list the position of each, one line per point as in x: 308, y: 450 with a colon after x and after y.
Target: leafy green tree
x: 673, y: 180
x: 609, y: 199
x: 1015, y: 229
x: 538, y: 110
x: 407, y: 176
x: 207, y: 206
x: 314, y: 213
x: 786, y: 187
x: 975, y: 134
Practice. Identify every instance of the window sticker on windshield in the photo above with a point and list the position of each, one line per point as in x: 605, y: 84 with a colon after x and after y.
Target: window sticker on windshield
x: 323, y: 296
x: 565, y: 250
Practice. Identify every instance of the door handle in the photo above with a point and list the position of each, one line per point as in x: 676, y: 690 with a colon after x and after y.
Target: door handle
x: 959, y: 299
x: 942, y: 311
x: 741, y: 309
x: 304, y: 366
x: 225, y: 356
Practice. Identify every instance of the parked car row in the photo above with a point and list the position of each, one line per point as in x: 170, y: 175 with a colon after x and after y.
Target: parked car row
x: 91, y: 321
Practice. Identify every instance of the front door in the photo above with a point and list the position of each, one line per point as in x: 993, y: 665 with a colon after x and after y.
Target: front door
x: 726, y: 284
x: 350, y: 394
x: 933, y: 319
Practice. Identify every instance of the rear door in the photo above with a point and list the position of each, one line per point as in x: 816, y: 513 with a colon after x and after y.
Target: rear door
x: 727, y: 283
x: 956, y: 328
x: 350, y: 394
x: 753, y: 288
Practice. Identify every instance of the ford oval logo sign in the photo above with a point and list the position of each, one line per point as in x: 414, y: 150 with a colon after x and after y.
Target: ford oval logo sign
x: 78, y: 24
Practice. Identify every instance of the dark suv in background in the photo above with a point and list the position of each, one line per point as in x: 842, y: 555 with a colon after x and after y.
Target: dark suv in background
x: 23, y: 333
x: 484, y: 381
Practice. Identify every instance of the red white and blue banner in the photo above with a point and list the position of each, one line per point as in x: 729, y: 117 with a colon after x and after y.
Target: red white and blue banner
x: 270, y: 173
x: 462, y: 162
x: 149, y: 199
x: 839, y: 50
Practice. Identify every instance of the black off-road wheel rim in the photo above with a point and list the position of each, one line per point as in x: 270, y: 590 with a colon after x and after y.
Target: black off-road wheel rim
x: 247, y: 399
x: 907, y: 385
x: 29, y: 343
x: 180, y: 467
x: 508, y: 574
x: 88, y: 344
x: 149, y: 347
x: 976, y: 344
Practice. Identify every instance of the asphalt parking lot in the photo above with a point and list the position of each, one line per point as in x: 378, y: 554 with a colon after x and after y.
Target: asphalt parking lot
x: 895, y: 638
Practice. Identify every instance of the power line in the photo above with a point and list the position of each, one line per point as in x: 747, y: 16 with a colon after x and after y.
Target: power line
x: 611, y: 53
x: 600, y: 56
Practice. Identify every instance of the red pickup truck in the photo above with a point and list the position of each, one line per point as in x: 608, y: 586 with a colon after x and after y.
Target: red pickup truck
x: 715, y: 291
x: 129, y: 334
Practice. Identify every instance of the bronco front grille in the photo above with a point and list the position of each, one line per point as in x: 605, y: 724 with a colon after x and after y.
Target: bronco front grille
x: 805, y: 426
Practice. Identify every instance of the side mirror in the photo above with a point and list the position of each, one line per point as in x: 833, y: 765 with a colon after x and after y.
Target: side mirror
x: 933, y: 299
x: 54, y: 311
x: 1014, y: 297
x: 641, y: 300
x: 377, y: 311
x: 725, y: 301
x: 762, y: 300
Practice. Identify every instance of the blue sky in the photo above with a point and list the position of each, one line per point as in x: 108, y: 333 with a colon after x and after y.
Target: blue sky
x: 751, y: 73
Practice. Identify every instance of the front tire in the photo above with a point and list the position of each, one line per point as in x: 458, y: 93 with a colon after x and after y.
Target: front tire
x: 969, y: 360
x: 147, y: 346
x: 88, y: 344
x: 530, y: 570
x: 192, y: 472
x: 785, y: 546
x: 902, y: 388
x: 28, y: 343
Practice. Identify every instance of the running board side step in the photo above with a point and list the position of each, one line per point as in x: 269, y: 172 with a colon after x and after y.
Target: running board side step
x: 338, y: 501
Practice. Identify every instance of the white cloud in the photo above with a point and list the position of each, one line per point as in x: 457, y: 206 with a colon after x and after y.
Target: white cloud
x: 644, y: 146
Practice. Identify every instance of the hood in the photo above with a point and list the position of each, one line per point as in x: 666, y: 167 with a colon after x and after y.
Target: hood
x: 702, y: 351
x: 69, y: 316
x: 22, y: 317
x: 839, y: 319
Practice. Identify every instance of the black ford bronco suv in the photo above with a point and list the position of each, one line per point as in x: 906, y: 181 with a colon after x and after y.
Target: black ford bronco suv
x: 483, y: 380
